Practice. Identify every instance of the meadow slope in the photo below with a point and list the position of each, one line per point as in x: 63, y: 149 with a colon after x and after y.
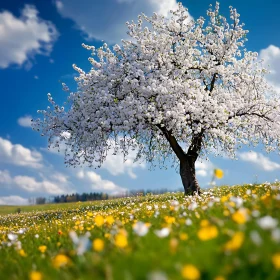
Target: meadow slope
x: 226, y: 233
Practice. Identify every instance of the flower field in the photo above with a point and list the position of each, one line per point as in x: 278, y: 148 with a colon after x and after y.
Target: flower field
x: 226, y: 233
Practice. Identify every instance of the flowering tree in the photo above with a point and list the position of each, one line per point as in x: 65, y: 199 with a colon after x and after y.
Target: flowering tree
x: 179, y: 88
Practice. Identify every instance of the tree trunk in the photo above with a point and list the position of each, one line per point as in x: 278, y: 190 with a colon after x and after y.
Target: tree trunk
x: 187, y: 172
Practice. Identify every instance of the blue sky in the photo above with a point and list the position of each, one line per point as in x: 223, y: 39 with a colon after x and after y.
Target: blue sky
x: 39, y: 42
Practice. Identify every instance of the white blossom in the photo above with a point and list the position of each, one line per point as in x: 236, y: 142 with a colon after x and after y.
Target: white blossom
x: 267, y: 222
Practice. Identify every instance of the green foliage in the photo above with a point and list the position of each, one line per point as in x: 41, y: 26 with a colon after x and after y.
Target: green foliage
x: 219, y: 235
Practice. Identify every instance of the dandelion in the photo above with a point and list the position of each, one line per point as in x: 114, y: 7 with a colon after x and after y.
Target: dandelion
x: 207, y: 231
x: 218, y: 173
x: 173, y: 244
x: 121, y: 240
x: 240, y: 216
x: 22, y: 253
x: 61, y: 260
x: 35, y: 275
x: 98, y: 245
x: 190, y: 272
x: 235, y: 243
x: 140, y: 228
x: 42, y: 249
x: 99, y: 221
x: 110, y: 220
x: 276, y: 261
x: 183, y: 236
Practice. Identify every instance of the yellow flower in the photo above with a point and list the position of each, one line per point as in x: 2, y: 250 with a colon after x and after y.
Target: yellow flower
x: 42, y: 249
x: 110, y: 220
x: 35, y: 275
x: 240, y: 216
x: 218, y: 173
x: 173, y: 244
x: 61, y: 260
x: 99, y: 221
x: 169, y: 220
x: 183, y: 236
x: 98, y: 244
x: 235, y: 243
x: 190, y: 272
x: 121, y: 240
x: 276, y: 261
x: 22, y: 253
x: 207, y: 232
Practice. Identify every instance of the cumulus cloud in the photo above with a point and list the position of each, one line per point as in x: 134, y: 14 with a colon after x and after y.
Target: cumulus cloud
x: 25, y: 121
x: 18, y: 155
x: 99, y: 184
x: 32, y: 185
x: 259, y: 160
x: 105, y: 20
x: 204, y: 168
x: 23, y: 37
x: 13, y: 200
x: 271, y: 57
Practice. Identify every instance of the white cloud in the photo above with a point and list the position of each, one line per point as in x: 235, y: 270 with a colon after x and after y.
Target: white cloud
x: 116, y: 166
x: 271, y: 57
x: 25, y: 121
x: 259, y: 160
x: 204, y: 168
x: 105, y: 20
x: 32, y: 185
x: 13, y: 200
x: 99, y: 184
x: 22, y: 38
x: 18, y: 155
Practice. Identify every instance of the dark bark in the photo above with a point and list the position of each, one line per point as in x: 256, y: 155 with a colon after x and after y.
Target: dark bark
x: 187, y: 172
x: 187, y: 160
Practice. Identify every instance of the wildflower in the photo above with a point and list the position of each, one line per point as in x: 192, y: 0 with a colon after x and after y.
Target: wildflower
x: 22, y: 253
x: 267, y: 222
x: 218, y: 173
x: 188, y: 222
x: 190, y: 272
x: 275, y: 235
x: 61, y: 260
x: 59, y: 232
x: 183, y: 236
x: 42, y: 249
x: 82, y: 243
x: 110, y: 220
x: 157, y: 275
x: 255, y: 237
x: 99, y: 221
x: 207, y: 232
x: 121, y: 240
x: 169, y: 220
x: 35, y: 275
x: 12, y: 236
x: 240, y: 216
x: 276, y: 261
x: 164, y: 232
x: 235, y: 243
x: 173, y: 244
x: 140, y: 228
x: 98, y: 245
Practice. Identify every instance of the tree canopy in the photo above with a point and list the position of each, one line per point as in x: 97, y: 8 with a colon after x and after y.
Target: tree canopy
x: 180, y: 88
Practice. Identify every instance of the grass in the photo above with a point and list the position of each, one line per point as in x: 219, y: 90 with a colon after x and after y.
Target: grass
x: 226, y: 233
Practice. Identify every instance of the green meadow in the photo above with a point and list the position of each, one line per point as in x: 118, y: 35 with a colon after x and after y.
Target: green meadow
x: 229, y: 232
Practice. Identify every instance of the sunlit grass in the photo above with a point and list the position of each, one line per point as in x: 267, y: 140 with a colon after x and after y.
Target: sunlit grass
x: 226, y: 233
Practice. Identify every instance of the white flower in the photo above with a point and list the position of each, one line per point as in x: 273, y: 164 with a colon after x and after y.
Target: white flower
x: 237, y: 200
x: 193, y: 206
x: 12, y: 236
x: 275, y: 235
x: 267, y: 222
x: 188, y: 222
x: 164, y: 232
x: 140, y: 228
x: 255, y: 237
x: 81, y: 243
